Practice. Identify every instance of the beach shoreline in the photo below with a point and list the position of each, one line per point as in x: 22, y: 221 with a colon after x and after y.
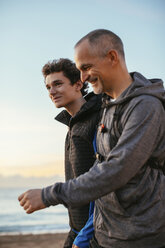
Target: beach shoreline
x: 48, y: 240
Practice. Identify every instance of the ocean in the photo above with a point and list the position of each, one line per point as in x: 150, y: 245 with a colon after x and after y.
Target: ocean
x: 14, y: 220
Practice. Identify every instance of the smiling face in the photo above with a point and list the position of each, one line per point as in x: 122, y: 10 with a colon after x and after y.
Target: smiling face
x: 60, y: 89
x: 94, y: 68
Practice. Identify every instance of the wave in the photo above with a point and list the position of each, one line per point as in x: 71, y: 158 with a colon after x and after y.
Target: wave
x: 14, y: 220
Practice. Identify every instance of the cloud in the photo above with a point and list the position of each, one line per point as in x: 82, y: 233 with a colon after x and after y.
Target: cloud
x: 28, y: 182
x: 43, y: 170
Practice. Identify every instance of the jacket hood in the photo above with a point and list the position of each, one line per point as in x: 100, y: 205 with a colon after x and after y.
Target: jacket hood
x: 92, y: 104
x: 142, y: 86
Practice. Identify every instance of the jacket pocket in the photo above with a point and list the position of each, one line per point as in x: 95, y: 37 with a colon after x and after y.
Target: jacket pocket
x: 111, y: 204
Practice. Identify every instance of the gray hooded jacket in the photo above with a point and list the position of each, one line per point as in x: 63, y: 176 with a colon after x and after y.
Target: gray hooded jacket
x: 130, y: 195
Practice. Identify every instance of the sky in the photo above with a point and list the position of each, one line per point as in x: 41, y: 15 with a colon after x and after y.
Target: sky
x: 36, y: 31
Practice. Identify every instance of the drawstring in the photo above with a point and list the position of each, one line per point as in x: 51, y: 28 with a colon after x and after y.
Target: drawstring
x: 102, y: 129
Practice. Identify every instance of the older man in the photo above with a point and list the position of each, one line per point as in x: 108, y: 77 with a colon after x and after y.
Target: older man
x: 127, y: 178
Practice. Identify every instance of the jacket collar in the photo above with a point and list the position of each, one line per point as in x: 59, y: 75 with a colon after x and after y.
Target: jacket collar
x: 93, y: 103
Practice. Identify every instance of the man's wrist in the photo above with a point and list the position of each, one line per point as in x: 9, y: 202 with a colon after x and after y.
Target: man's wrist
x: 49, y: 196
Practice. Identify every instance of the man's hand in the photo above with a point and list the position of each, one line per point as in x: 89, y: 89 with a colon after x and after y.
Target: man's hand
x: 75, y: 246
x: 31, y: 200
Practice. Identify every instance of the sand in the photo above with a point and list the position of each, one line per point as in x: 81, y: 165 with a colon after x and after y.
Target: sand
x: 33, y: 241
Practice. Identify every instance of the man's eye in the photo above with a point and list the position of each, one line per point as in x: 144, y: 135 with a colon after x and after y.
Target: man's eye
x: 86, y: 68
x: 57, y: 84
x: 48, y: 88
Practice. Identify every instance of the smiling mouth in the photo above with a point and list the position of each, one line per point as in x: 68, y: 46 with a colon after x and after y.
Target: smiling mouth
x: 55, y: 99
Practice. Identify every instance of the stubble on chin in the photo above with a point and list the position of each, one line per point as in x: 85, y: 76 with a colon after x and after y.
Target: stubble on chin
x: 97, y: 91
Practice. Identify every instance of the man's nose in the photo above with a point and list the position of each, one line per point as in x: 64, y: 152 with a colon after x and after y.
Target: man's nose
x: 52, y: 91
x: 84, y: 76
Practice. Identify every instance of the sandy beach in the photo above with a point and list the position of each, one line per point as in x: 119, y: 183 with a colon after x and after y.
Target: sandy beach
x: 33, y: 241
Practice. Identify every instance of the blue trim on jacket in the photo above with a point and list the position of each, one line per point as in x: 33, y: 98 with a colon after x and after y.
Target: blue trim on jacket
x: 85, y: 235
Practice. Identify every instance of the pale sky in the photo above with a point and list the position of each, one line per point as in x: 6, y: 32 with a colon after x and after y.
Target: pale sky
x: 35, y: 31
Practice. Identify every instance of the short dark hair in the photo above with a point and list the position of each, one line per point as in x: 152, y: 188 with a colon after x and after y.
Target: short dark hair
x: 104, y: 39
x: 69, y: 70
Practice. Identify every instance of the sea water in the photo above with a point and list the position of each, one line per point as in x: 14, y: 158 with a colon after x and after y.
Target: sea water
x: 14, y: 220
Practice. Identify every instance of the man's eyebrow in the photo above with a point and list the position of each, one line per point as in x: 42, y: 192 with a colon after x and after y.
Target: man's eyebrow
x: 57, y: 81
x: 54, y: 82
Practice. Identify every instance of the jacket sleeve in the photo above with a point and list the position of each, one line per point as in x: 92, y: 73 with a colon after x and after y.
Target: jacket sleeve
x: 142, y: 133
x: 85, y: 235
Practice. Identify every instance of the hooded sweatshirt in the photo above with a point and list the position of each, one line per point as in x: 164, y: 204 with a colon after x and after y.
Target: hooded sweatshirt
x: 130, y: 195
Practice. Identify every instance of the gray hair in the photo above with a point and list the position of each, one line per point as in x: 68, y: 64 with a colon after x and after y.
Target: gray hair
x: 102, y: 40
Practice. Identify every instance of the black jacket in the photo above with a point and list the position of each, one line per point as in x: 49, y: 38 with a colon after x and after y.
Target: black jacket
x: 79, y: 153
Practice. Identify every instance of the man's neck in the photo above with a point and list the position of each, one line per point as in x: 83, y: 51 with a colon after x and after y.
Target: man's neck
x: 75, y: 106
x: 120, y: 85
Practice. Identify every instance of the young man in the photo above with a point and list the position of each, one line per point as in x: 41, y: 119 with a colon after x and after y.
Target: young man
x: 62, y: 80
x: 127, y: 178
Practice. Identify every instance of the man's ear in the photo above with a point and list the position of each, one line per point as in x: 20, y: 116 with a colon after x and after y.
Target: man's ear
x: 78, y: 85
x: 113, y: 57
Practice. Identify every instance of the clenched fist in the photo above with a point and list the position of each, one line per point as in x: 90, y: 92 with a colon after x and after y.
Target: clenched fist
x: 31, y: 200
